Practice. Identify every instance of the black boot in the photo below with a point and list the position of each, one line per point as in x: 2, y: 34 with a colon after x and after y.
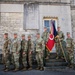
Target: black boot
x: 41, y: 69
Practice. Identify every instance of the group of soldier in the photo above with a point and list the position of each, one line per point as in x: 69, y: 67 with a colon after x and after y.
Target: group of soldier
x: 23, y: 49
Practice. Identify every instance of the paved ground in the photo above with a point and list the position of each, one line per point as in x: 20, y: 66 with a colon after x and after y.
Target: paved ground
x: 37, y: 72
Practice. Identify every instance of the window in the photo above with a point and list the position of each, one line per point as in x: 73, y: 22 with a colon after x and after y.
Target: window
x: 47, y: 22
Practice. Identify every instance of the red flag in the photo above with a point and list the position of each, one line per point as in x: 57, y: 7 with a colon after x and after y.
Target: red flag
x: 50, y: 43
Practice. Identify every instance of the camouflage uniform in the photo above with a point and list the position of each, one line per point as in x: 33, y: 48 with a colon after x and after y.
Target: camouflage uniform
x: 6, y: 52
x: 29, y: 51
x: 45, y: 37
x: 15, y: 52
x: 40, y: 46
x: 70, y: 49
x: 57, y: 45
x: 24, y: 50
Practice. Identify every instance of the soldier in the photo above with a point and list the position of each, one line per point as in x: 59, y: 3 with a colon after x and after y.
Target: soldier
x: 29, y: 51
x: 24, y: 52
x: 6, y: 51
x: 45, y: 37
x: 59, y: 38
x: 70, y: 49
x: 16, y: 51
x: 40, y: 46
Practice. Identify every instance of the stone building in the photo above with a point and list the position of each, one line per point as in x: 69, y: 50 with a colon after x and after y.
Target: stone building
x: 30, y: 16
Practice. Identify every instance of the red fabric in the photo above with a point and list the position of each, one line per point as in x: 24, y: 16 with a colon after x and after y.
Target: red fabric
x: 50, y: 43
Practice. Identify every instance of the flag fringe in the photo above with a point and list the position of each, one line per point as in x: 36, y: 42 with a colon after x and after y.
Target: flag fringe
x: 48, y: 48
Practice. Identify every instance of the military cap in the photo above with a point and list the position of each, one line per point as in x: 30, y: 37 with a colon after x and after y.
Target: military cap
x: 5, y: 33
x: 15, y: 33
x: 68, y: 32
x: 45, y: 27
x: 38, y: 33
x: 58, y: 27
x: 23, y: 34
x: 29, y: 35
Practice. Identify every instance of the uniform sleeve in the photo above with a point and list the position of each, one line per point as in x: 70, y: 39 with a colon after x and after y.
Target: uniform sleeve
x: 42, y: 36
x: 19, y: 45
x: 72, y: 44
x: 26, y: 46
x: 47, y: 36
x: 43, y: 45
x: 32, y: 46
x: 9, y: 45
x: 62, y: 38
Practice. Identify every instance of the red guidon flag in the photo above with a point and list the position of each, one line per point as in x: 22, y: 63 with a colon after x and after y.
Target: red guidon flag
x: 50, y: 43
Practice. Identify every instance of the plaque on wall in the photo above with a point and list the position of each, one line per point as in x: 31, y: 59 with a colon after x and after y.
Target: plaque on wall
x: 31, y: 14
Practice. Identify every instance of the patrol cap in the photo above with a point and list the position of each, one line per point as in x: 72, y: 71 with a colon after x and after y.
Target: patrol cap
x: 23, y: 34
x: 45, y: 27
x: 68, y: 32
x: 58, y: 27
x: 38, y: 33
x: 15, y: 33
x: 5, y: 33
x: 29, y: 35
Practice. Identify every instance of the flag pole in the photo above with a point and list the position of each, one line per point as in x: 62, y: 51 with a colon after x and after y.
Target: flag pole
x: 62, y: 49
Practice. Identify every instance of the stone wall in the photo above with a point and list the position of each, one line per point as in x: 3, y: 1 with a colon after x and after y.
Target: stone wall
x: 73, y: 23
x: 66, y: 1
x: 10, y: 23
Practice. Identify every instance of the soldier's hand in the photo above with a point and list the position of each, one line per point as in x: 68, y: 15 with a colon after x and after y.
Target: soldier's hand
x: 57, y: 36
x: 23, y: 52
x: 30, y: 52
x: 41, y: 52
x: 16, y: 52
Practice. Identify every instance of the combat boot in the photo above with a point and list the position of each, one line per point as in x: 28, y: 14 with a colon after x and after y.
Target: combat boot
x: 30, y: 68
x: 37, y: 68
x: 47, y: 58
x: 6, y: 70
x: 41, y: 69
x: 16, y: 69
x: 24, y: 69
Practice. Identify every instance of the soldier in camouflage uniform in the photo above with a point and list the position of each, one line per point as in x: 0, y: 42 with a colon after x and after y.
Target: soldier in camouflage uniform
x: 24, y: 52
x: 6, y: 51
x: 16, y: 46
x: 29, y: 51
x: 58, y: 39
x: 45, y: 36
x: 70, y: 49
x: 40, y: 46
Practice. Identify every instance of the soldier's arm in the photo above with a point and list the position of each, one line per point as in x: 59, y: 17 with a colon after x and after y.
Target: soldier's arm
x: 9, y: 45
x: 19, y: 46
x: 47, y: 37
x: 25, y: 47
x: 62, y: 38
x: 72, y: 44
x: 42, y: 36
x: 32, y: 46
x: 43, y: 45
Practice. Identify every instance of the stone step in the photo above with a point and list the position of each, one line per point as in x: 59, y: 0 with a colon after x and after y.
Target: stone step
x: 55, y: 68
x: 55, y: 60
x: 52, y: 55
x: 48, y: 64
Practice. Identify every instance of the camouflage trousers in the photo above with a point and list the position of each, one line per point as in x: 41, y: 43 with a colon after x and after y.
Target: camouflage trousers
x: 15, y: 58
x: 39, y: 58
x: 6, y: 60
x: 58, y: 50
x: 70, y: 55
x: 30, y: 59
x: 24, y: 59
x: 46, y: 52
